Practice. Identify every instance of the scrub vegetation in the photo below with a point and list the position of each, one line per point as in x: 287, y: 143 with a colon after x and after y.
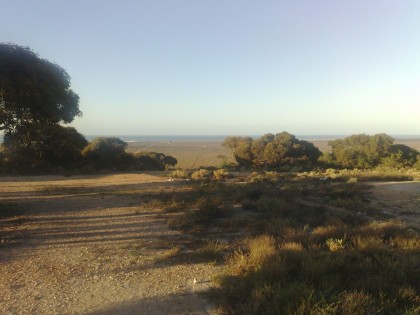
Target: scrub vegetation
x: 299, y: 245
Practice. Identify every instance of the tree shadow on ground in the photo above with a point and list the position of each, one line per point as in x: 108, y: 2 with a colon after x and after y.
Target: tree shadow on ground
x: 172, y: 304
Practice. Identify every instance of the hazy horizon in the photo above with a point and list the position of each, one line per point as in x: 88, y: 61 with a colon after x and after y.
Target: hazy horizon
x: 222, y: 137
x: 231, y: 67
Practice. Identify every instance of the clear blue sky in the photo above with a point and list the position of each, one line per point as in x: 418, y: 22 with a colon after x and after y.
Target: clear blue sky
x: 210, y: 67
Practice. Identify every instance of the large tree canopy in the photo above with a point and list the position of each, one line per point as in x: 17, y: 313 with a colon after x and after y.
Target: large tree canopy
x: 361, y: 151
x: 365, y: 151
x: 272, y: 151
x: 33, y: 91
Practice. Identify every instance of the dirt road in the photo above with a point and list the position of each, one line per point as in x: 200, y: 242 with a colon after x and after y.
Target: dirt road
x: 93, y: 245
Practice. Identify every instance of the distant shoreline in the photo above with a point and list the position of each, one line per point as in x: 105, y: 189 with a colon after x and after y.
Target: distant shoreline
x: 217, y: 138
x: 321, y: 141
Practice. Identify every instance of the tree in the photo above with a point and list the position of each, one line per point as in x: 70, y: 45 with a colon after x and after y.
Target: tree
x: 151, y: 161
x: 48, y: 147
x: 286, y: 150
x: 400, y: 156
x: 107, y: 152
x: 241, y: 149
x: 361, y: 151
x: 33, y: 91
x: 272, y: 151
x: 35, y: 97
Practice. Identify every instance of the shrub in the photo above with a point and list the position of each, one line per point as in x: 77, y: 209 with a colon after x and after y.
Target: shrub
x: 220, y: 174
x: 152, y: 161
x: 335, y: 244
x: 201, y: 174
x: 106, y: 153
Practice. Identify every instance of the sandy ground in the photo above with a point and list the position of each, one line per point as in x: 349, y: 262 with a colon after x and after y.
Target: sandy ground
x: 400, y: 200
x: 190, y: 154
x: 72, y: 250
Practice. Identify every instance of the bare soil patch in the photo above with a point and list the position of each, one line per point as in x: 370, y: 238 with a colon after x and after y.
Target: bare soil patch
x: 400, y: 200
x: 94, y: 245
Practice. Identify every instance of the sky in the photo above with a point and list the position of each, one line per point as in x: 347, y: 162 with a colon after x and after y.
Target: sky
x: 230, y: 67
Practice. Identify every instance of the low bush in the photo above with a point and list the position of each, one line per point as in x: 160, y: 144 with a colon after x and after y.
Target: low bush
x: 179, y: 174
x: 220, y: 174
x: 152, y: 161
x: 201, y: 174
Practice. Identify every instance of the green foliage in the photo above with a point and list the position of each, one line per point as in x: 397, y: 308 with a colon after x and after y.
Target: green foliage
x: 35, y: 97
x: 417, y: 164
x: 44, y: 148
x: 241, y: 147
x: 400, y: 156
x: 272, y: 151
x: 33, y: 91
x: 364, y: 151
x: 153, y: 161
x: 109, y: 153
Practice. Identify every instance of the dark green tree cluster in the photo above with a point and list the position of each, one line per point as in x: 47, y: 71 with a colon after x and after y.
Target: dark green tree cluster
x: 153, y: 161
x: 35, y: 99
x: 106, y: 152
x: 364, y: 151
x: 109, y: 153
x: 272, y: 151
x: 43, y: 148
